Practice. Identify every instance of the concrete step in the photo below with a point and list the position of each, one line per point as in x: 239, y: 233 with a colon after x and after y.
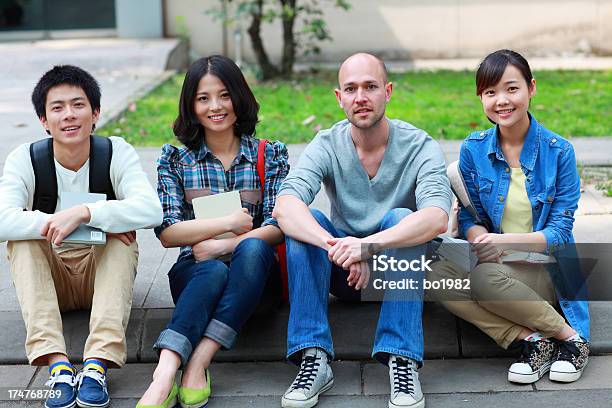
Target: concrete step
x: 264, y: 337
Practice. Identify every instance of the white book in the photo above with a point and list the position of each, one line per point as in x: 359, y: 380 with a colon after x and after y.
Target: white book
x: 217, y: 205
x: 457, y: 251
x: 84, y: 234
x: 527, y: 257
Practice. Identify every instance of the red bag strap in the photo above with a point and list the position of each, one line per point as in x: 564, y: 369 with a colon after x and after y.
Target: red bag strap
x: 261, y: 165
x: 280, y: 249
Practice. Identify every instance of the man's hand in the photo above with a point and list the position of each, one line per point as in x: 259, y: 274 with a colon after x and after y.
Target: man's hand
x: 489, y: 247
x: 211, y: 249
x: 240, y: 221
x: 359, y: 275
x: 61, y: 224
x: 346, y: 251
x: 126, y: 237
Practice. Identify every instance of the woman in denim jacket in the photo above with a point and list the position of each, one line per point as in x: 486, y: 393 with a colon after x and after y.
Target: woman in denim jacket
x: 523, y: 182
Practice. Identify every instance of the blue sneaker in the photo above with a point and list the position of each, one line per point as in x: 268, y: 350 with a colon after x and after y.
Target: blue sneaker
x: 91, y: 387
x: 63, y: 385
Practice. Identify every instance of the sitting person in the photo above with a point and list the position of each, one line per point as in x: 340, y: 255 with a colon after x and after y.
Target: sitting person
x: 523, y: 182
x: 213, y: 298
x: 388, y: 189
x: 50, y: 277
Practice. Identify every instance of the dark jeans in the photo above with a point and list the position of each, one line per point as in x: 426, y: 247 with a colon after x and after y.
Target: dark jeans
x: 215, y: 299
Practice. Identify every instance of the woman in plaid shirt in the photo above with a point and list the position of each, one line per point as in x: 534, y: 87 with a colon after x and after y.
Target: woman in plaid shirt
x: 216, y: 125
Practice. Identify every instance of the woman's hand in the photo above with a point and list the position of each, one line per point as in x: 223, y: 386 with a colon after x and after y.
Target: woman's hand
x: 240, y: 221
x: 489, y: 247
x: 211, y: 249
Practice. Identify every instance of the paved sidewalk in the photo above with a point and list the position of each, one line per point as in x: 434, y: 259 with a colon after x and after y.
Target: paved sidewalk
x: 446, y: 383
x: 470, y: 381
x: 124, y: 68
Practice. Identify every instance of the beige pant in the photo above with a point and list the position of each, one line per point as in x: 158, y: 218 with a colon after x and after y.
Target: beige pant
x: 501, y: 299
x: 97, y: 278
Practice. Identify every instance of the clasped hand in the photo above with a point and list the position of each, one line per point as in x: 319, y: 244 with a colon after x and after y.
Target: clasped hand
x: 238, y: 222
x: 212, y: 249
x: 349, y: 253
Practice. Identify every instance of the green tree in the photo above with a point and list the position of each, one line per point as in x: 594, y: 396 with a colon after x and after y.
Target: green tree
x: 313, y: 28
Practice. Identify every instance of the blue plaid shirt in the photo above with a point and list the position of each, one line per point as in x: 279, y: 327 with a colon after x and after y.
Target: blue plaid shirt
x: 184, y: 174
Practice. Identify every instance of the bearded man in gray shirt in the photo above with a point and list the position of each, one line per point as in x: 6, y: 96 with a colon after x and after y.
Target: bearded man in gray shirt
x: 388, y: 189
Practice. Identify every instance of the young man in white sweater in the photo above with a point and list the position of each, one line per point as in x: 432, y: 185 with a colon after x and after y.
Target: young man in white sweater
x: 50, y: 277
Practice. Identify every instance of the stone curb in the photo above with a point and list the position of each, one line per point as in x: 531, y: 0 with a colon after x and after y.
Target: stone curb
x: 264, y: 337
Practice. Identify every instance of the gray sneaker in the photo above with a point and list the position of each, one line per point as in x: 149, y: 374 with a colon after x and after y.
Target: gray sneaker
x: 405, y: 385
x: 314, y: 378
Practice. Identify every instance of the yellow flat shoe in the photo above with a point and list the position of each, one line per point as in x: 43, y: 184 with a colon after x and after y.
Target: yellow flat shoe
x: 170, y: 402
x: 195, y: 397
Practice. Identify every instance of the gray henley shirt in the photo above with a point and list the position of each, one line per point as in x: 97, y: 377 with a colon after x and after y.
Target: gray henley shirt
x: 411, y: 175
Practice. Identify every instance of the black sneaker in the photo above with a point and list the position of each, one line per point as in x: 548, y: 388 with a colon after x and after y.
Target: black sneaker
x: 535, y: 360
x: 571, y: 359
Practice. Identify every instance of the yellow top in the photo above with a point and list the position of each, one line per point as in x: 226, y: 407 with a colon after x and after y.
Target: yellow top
x: 517, y: 212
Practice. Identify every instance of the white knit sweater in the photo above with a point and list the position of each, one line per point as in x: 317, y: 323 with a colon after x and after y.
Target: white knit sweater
x: 137, y: 205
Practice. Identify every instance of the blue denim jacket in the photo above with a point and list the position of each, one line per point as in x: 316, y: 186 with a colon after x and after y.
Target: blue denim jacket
x: 553, y: 188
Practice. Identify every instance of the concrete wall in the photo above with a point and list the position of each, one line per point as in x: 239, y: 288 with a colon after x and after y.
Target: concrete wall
x: 139, y: 19
x: 400, y: 29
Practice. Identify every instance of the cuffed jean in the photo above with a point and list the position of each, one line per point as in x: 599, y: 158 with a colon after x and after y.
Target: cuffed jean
x: 312, y: 277
x: 213, y: 299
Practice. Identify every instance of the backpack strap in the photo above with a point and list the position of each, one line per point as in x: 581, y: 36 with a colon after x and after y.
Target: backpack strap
x: 100, y: 156
x: 45, y: 180
x: 460, y: 190
x: 43, y: 163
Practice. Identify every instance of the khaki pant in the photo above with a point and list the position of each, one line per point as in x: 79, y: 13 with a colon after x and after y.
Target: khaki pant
x: 97, y: 278
x: 502, y: 298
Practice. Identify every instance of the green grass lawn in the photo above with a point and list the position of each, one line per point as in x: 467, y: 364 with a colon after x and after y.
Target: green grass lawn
x: 571, y: 103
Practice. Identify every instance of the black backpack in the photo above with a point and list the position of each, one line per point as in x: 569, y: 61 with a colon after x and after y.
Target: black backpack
x: 45, y: 191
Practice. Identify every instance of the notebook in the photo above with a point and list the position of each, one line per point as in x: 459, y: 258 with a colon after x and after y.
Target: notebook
x: 527, y: 257
x: 217, y: 205
x: 460, y: 253
x: 84, y: 234
x: 457, y: 251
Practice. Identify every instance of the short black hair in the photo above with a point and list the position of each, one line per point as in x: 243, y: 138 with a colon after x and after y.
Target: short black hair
x: 65, y: 74
x: 187, y: 127
x: 492, y: 68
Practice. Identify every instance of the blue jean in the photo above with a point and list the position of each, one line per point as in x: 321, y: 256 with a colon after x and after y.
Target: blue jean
x: 312, y: 277
x: 213, y: 299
